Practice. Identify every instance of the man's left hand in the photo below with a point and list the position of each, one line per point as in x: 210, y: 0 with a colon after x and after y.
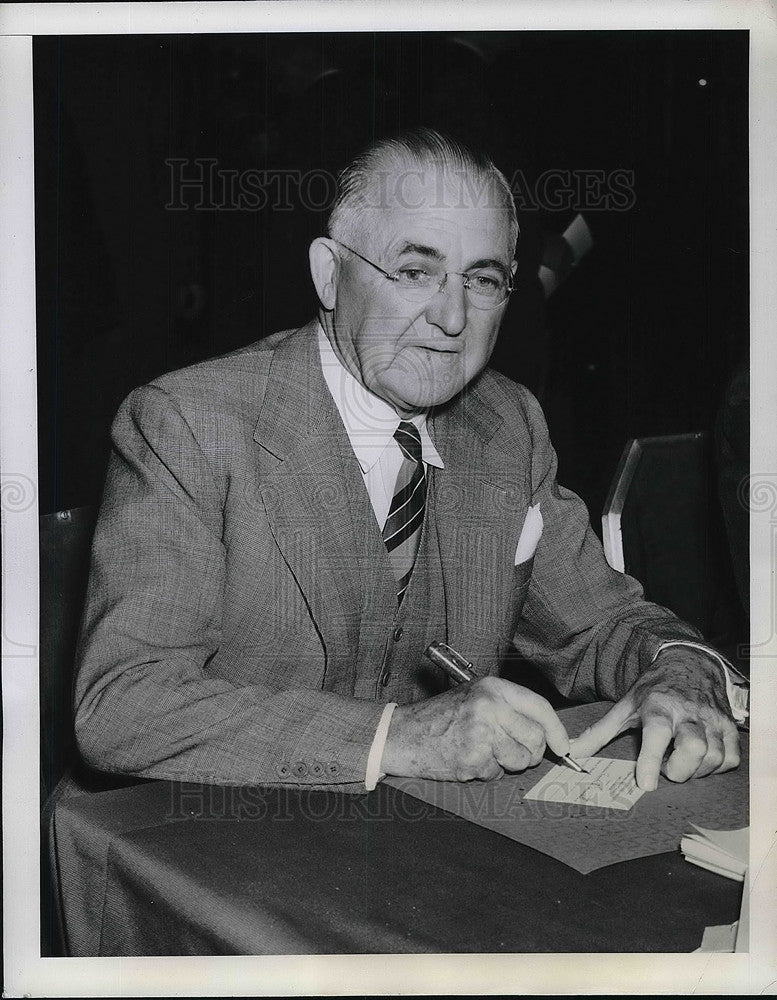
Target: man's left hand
x: 681, y: 698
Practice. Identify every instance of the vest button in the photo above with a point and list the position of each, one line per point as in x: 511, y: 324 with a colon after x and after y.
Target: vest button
x: 398, y: 631
x: 385, y: 677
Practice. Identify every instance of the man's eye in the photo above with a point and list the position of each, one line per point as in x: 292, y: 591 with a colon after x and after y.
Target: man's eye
x: 414, y: 276
x: 485, y: 282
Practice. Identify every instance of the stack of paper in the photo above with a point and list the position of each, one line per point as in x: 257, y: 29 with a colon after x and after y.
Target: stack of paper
x: 721, y: 851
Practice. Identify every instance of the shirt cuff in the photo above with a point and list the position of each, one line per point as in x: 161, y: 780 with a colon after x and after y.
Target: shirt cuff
x: 737, y: 686
x: 375, y: 757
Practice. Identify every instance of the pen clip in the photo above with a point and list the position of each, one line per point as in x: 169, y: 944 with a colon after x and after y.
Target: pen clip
x: 452, y: 662
x: 461, y: 661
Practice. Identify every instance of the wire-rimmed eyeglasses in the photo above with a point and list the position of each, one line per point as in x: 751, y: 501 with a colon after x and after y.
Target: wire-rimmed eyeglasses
x: 486, y: 287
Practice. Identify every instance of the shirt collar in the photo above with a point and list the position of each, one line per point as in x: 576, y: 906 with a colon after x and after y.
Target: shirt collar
x: 369, y: 421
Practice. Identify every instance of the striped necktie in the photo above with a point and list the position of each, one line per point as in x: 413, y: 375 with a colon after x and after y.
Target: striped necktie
x: 402, y: 530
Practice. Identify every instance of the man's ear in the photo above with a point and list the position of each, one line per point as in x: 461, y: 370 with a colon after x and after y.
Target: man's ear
x: 325, y: 270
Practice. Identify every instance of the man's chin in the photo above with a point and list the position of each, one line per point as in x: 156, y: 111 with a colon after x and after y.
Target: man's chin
x: 413, y: 391
x: 422, y: 401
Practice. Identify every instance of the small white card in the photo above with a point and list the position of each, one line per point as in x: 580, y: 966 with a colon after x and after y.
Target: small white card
x: 611, y: 784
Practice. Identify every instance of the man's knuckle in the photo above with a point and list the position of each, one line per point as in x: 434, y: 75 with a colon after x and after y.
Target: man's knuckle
x: 478, y: 735
x: 729, y: 731
x: 476, y: 769
x: 479, y: 704
x: 475, y: 754
x: 731, y: 760
x: 487, y: 687
x: 535, y: 745
x: 695, y: 744
x: 520, y: 758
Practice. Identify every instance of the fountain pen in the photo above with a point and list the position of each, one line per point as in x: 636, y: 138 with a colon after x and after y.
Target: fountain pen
x: 461, y: 670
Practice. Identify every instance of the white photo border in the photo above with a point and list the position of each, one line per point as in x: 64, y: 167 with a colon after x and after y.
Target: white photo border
x: 26, y: 973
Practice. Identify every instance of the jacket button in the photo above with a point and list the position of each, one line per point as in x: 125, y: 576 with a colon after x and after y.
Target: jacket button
x: 300, y: 769
x: 316, y: 768
x: 333, y: 768
x: 283, y: 770
x: 398, y: 631
x: 385, y: 677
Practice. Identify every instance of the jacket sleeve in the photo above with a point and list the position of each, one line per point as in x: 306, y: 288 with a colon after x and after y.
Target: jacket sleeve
x: 586, y: 626
x: 145, y: 702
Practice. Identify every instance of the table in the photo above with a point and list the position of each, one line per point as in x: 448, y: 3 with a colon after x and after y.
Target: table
x: 165, y: 868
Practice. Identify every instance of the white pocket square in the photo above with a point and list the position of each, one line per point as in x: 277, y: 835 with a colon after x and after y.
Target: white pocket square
x: 530, y: 535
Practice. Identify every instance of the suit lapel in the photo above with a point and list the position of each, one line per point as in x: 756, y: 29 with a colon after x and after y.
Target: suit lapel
x: 322, y: 520
x: 314, y: 498
x: 481, y: 499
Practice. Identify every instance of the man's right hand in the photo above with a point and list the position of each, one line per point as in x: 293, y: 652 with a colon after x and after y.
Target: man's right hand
x: 477, y: 730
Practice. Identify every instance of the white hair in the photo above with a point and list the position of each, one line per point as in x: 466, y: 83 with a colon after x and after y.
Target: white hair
x: 448, y: 163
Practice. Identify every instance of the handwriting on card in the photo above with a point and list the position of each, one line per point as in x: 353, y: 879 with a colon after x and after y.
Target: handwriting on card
x: 610, y: 784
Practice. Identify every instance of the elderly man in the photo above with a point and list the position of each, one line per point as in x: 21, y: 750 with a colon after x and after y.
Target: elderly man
x: 284, y: 530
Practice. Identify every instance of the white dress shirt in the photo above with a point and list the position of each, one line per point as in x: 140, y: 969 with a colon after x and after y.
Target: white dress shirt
x: 370, y: 423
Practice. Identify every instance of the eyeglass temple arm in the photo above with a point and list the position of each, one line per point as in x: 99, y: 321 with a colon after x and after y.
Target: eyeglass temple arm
x: 386, y: 274
x: 392, y: 276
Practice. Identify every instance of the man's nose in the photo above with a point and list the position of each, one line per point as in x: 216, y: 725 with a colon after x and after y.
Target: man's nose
x: 447, y: 308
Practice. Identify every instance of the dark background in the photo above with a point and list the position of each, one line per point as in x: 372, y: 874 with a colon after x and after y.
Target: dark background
x: 640, y: 340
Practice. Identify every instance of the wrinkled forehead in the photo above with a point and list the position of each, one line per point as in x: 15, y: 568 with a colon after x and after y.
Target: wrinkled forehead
x: 455, y: 208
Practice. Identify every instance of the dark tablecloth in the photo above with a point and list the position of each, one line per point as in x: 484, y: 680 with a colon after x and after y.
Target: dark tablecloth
x: 176, y: 869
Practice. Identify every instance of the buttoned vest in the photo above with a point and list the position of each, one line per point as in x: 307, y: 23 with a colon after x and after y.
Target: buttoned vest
x: 392, y: 639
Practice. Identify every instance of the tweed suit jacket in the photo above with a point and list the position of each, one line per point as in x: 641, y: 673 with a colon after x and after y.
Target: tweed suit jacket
x: 221, y: 633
